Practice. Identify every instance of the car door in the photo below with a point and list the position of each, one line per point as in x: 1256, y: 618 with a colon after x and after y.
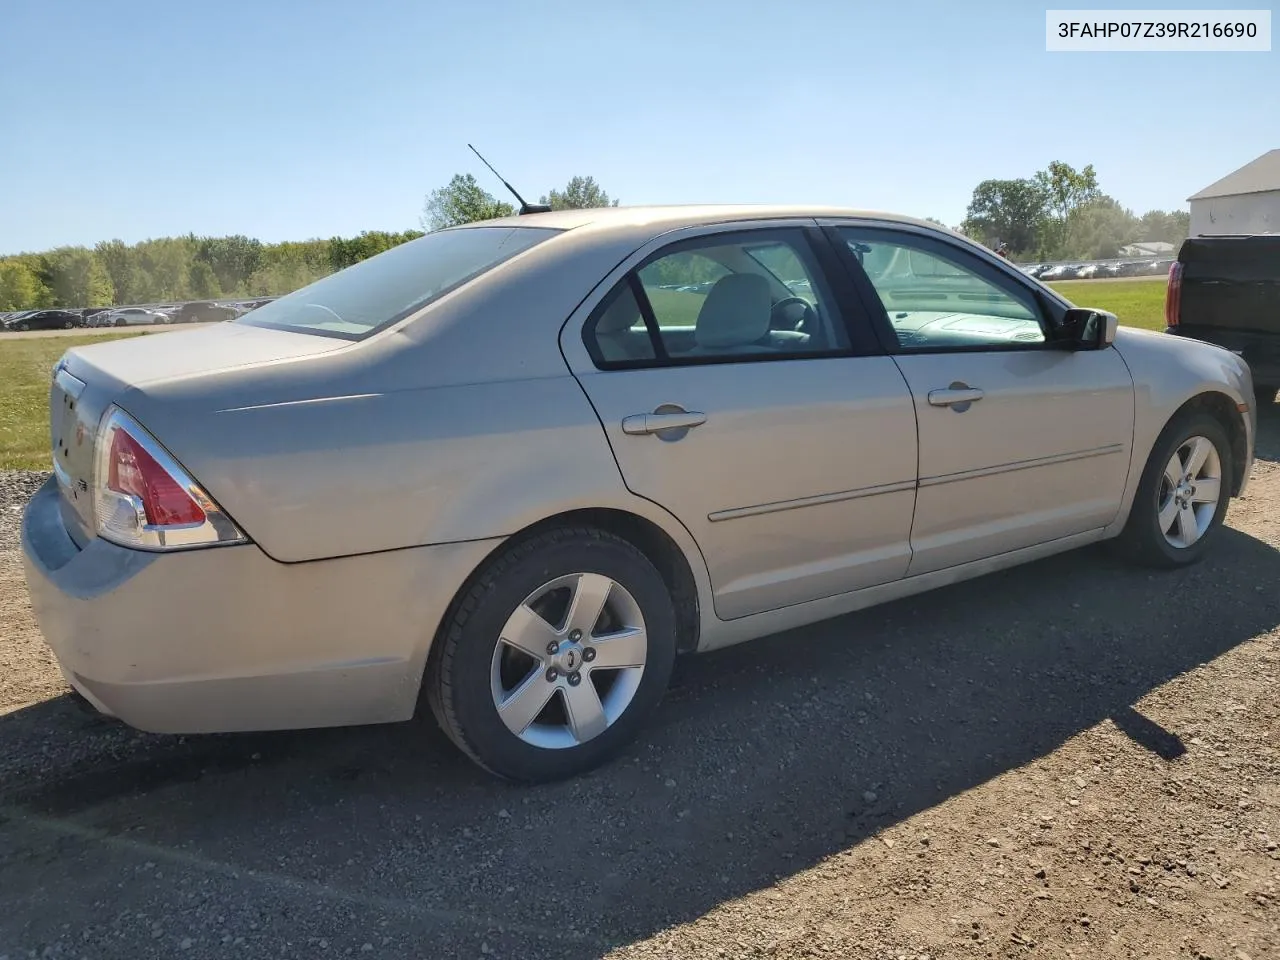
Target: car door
x: 1022, y: 442
x: 781, y: 438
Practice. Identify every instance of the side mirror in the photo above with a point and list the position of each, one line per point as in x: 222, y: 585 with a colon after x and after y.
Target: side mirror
x: 1085, y: 328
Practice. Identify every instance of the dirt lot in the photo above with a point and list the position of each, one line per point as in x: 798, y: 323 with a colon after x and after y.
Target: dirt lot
x: 1073, y: 759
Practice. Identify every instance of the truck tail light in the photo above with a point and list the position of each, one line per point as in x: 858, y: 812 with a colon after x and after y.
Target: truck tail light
x: 1173, y: 295
x: 144, y: 499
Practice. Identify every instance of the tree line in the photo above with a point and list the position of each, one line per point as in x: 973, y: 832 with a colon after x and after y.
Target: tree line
x: 204, y: 268
x: 1060, y: 213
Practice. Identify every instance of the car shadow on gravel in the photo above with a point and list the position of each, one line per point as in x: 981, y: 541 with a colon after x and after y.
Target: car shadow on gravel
x: 763, y: 760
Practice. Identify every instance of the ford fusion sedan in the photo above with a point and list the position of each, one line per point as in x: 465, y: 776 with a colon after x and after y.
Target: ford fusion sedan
x: 507, y: 472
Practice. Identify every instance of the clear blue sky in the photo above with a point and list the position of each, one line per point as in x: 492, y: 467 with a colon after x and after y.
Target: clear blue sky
x: 288, y: 120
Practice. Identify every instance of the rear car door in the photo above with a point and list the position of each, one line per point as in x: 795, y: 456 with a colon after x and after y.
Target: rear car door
x: 1022, y: 442
x: 734, y: 395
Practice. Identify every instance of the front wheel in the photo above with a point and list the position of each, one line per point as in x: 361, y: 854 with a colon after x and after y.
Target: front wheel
x: 555, y: 656
x: 1183, y: 495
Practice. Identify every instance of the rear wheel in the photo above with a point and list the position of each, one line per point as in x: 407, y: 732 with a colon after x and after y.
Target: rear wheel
x: 556, y: 655
x: 1183, y: 495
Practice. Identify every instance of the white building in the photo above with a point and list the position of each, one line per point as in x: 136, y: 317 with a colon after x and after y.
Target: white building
x: 1244, y: 202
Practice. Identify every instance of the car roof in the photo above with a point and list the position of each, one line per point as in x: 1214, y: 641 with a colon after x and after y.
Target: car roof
x: 659, y: 219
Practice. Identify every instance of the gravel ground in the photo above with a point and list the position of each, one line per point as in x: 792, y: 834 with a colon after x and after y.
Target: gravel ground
x: 1072, y: 759
x: 16, y: 488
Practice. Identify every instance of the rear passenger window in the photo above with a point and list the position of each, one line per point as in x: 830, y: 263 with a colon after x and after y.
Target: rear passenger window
x: 620, y: 333
x: 755, y: 295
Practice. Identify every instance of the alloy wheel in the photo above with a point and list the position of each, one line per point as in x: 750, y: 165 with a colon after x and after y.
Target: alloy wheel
x: 1189, y: 492
x: 569, y: 660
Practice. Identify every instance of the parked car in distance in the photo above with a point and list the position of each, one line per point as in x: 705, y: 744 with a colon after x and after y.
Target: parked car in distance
x: 1226, y: 291
x: 204, y: 311
x: 501, y: 472
x: 88, y: 313
x: 44, y: 320
x: 129, y: 316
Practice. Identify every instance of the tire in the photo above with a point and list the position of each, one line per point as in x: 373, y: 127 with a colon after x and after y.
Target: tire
x: 67, y: 324
x: 1144, y: 537
x: 1264, y: 394
x: 119, y: 321
x: 24, y: 326
x: 471, y: 669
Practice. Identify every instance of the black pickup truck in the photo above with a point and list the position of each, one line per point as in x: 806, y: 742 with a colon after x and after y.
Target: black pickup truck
x: 1226, y: 290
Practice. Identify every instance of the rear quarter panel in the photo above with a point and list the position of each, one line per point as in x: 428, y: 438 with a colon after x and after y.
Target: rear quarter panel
x: 385, y: 470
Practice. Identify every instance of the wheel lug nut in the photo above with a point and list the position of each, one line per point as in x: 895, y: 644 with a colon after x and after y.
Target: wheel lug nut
x: 575, y: 635
x: 588, y: 654
x: 575, y: 679
x: 553, y: 648
x: 552, y: 674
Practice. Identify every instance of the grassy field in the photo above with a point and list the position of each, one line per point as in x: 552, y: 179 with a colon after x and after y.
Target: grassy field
x: 1138, y: 303
x: 25, y: 364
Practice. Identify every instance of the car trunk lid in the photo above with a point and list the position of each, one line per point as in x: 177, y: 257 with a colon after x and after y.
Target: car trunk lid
x: 89, y: 379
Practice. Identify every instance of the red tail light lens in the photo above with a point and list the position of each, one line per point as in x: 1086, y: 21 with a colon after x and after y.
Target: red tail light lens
x: 1173, y: 295
x: 145, y: 499
x: 134, y: 472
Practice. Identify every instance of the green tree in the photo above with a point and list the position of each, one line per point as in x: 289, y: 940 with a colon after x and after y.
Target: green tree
x: 166, y: 269
x: 344, y: 252
x: 1065, y: 189
x: 1007, y: 211
x: 581, y: 193
x: 1172, y: 227
x: 202, y: 282
x: 121, y: 263
x: 462, y: 201
x: 77, y: 278
x: 20, y: 286
x: 1098, y: 229
x: 232, y: 259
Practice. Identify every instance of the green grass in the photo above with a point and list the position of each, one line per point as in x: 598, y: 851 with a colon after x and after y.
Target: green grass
x: 26, y: 366
x: 1138, y: 303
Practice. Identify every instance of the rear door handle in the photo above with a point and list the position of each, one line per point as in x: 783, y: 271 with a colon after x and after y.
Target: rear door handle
x: 955, y: 395
x: 640, y: 424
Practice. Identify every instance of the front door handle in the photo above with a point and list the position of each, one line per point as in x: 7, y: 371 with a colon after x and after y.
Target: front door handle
x: 957, y: 396
x: 667, y: 417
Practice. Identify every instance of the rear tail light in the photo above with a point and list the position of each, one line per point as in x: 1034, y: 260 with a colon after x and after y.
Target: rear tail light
x: 144, y: 498
x: 1173, y: 295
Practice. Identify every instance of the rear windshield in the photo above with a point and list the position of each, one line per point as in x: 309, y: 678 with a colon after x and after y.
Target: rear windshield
x: 375, y: 293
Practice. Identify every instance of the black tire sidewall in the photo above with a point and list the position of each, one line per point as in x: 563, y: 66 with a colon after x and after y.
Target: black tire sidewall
x: 1148, y: 536
x: 484, y: 734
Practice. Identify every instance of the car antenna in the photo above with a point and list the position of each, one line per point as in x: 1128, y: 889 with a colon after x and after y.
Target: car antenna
x: 524, y: 207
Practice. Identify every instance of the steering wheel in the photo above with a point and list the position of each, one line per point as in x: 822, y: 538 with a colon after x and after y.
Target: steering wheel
x: 807, y: 319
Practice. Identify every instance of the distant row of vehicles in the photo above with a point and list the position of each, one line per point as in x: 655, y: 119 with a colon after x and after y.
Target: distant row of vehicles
x: 199, y: 311
x: 1147, y: 267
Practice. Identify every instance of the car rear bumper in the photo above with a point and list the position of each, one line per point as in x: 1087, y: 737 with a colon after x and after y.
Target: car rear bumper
x: 227, y: 639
